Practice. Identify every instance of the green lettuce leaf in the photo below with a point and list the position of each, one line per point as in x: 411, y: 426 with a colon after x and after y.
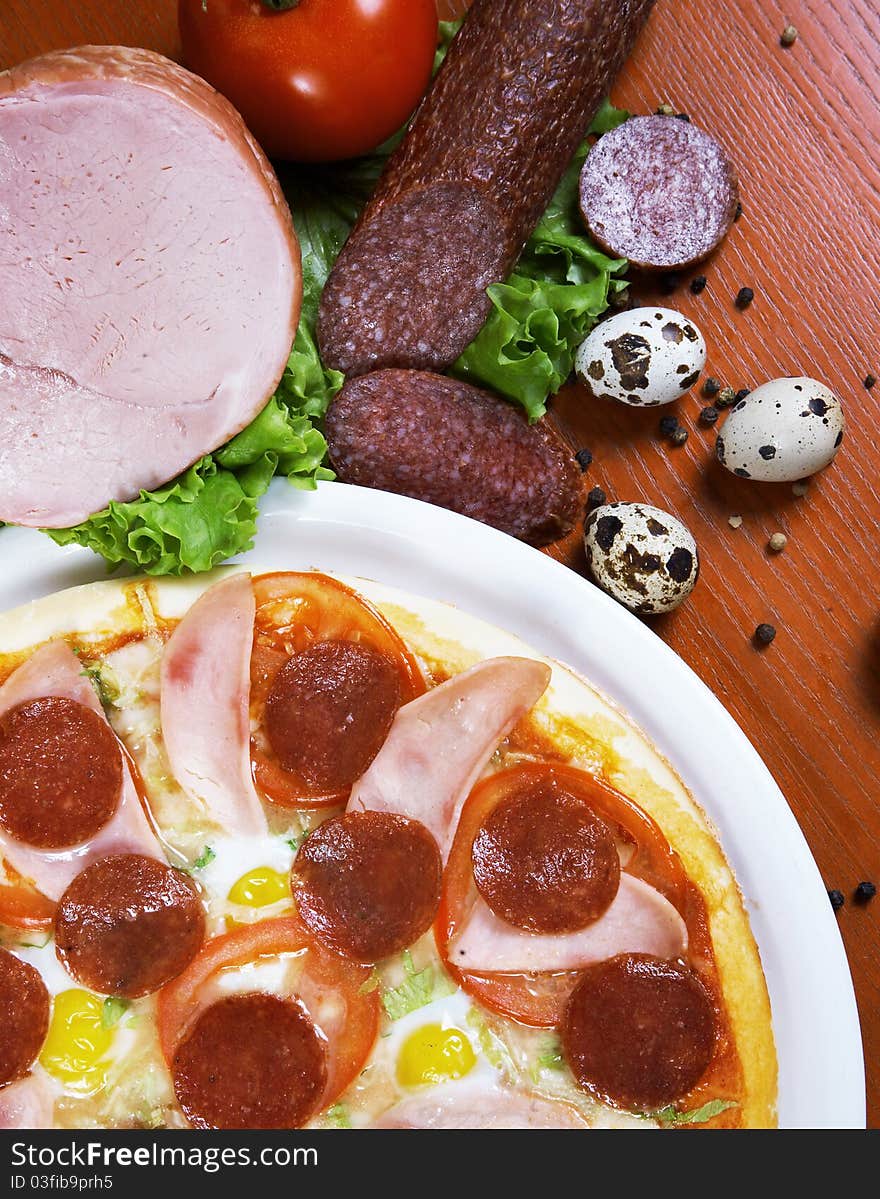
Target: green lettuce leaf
x: 209, y: 513
x: 336, y: 1116
x: 559, y: 289
x: 447, y: 31
x: 700, y: 1115
x: 418, y: 988
x: 113, y: 1009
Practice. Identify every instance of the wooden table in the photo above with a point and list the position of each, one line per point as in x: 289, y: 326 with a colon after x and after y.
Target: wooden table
x: 802, y: 125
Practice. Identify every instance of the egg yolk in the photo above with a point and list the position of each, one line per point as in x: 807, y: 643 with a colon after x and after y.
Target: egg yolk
x: 77, y: 1041
x: 260, y: 887
x: 434, y: 1054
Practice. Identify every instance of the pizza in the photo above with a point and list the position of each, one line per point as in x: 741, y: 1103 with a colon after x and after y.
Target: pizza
x: 287, y: 850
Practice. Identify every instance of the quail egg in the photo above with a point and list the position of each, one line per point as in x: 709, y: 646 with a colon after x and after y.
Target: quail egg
x: 642, y: 556
x: 644, y: 357
x: 784, y: 430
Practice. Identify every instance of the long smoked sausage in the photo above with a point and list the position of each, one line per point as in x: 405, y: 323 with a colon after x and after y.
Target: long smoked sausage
x: 462, y: 193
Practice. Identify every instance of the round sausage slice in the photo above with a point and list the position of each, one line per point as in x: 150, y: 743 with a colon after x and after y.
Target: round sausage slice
x: 24, y: 1016
x: 402, y: 244
x: 128, y: 924
x: 330, y: 709
x: 367, y: 884
x: 545, y: 863
x: 250, y: 1061
x: 639, y: 1031
x: 437, y: 439
x: 60, y: 773
x: 659, y: 192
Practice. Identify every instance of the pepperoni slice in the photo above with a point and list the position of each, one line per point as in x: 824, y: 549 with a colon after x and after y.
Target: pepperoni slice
x: 539, y: 998
x: 659, y: 192
x: 128, y: 924
x: 332, y: 990
x: 24, y: 1016
x: 60, y: 773
x: 250, y: 1061
x: 294, y: 612
x: 329, y: 710
x: 368, y: 884
x: 639, y: 1031
x: 544, y: 862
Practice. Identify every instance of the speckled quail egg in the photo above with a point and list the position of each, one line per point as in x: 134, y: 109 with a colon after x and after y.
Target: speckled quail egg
x: 644, y: 357
x: 642, y: 556
x: 784, y: 430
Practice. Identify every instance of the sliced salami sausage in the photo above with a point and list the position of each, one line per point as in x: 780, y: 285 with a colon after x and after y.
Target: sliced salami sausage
x: 250, y: 1061
x: 639, y: 1031
x: 479, y: 164
x: 456, y: 446
x: 60, y: 773
x: 659, y: 192
x: 545, y: 863
x: 367, y: 884
x: 24, y: 1016
x: 329, y: 710
x: 128, y: 924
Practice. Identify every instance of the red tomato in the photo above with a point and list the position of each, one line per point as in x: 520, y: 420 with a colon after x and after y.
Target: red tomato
x: 538, y: 999
x: 323, y: 80
x: 329, y: 987
x: 294, y: 611
x: 21, y: 906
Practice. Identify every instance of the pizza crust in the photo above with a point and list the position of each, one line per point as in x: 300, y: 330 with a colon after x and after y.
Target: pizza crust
x: 575, y: 717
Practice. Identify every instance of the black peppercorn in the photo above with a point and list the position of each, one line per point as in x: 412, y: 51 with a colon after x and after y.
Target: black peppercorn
x: 744, y: 297
x: 708, y: 415
x: 764, y: 634
x: 584, y: 458
x: 869, y: 381
x: 726, y: 397
x: 789, y: 36
x: 668, y: 425
x: 680, y: 436
x: 837, y: 900
x: 864, y: 892
x: 711, y: 387
x: 698, y: 284
x: 596, y: 498
x: 682, y: 116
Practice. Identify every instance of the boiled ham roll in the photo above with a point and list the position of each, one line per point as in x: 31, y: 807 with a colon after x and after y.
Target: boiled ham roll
x: 205, y: 696
x: 150, y: 283
x: 639, y: 920
x: 460, y: 1105
x: 28, y: 1103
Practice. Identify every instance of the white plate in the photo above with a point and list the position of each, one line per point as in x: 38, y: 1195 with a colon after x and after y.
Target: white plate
x: 434, y: 553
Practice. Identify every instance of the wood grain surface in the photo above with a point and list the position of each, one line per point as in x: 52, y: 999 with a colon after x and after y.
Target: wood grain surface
x: 802, y: 124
